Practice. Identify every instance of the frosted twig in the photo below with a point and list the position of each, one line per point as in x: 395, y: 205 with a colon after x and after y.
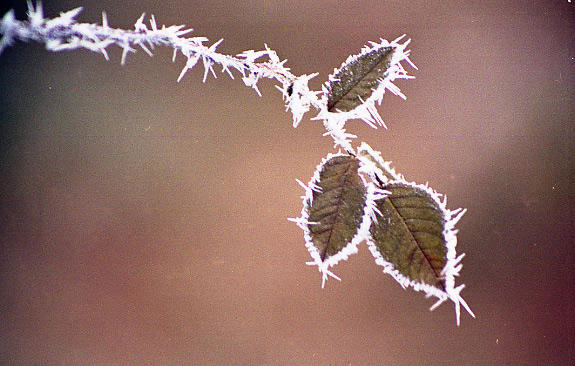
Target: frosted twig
x: 64, y: 33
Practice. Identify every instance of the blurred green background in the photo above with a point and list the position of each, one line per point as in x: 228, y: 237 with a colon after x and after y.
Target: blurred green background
x: 144, y: 221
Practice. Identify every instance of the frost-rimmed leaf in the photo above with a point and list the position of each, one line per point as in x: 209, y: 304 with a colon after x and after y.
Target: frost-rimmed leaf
x: 414, y: 238
x: 357, y: 78
x: 353, y: 89
x: 337, y: 212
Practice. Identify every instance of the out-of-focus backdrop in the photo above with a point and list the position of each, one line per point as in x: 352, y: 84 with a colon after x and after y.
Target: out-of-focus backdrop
x: 144, y: 221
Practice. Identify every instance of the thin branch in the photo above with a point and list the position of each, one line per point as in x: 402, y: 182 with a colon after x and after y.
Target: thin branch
x: 64, y: 33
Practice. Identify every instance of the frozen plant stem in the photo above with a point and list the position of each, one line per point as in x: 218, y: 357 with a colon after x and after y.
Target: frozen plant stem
x: 64, y: 33
x: 354, y: 196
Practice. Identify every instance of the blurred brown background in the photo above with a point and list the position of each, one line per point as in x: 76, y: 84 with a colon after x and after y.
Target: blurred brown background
x: 144, y: 221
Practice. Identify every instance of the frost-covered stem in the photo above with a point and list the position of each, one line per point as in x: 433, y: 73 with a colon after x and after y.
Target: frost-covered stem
x: 64, y: 33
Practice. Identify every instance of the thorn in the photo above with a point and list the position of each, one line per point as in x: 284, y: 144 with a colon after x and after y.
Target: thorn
x: 146, y: 49
x: 226, y: 69
x: 126, y: 49
x: 183, y: 32
x: 104, y: 21
x: 140, y: 26
x: 184, y: 70
x: 207, y: 67
x: 398, y: 39
x: 301, y: 184
x: 105, y: 53
x: 213, y: 47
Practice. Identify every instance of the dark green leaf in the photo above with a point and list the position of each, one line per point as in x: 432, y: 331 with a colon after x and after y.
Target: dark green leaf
x: 358, y: 78
x: 410, y: 234
x: 337, y: 206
